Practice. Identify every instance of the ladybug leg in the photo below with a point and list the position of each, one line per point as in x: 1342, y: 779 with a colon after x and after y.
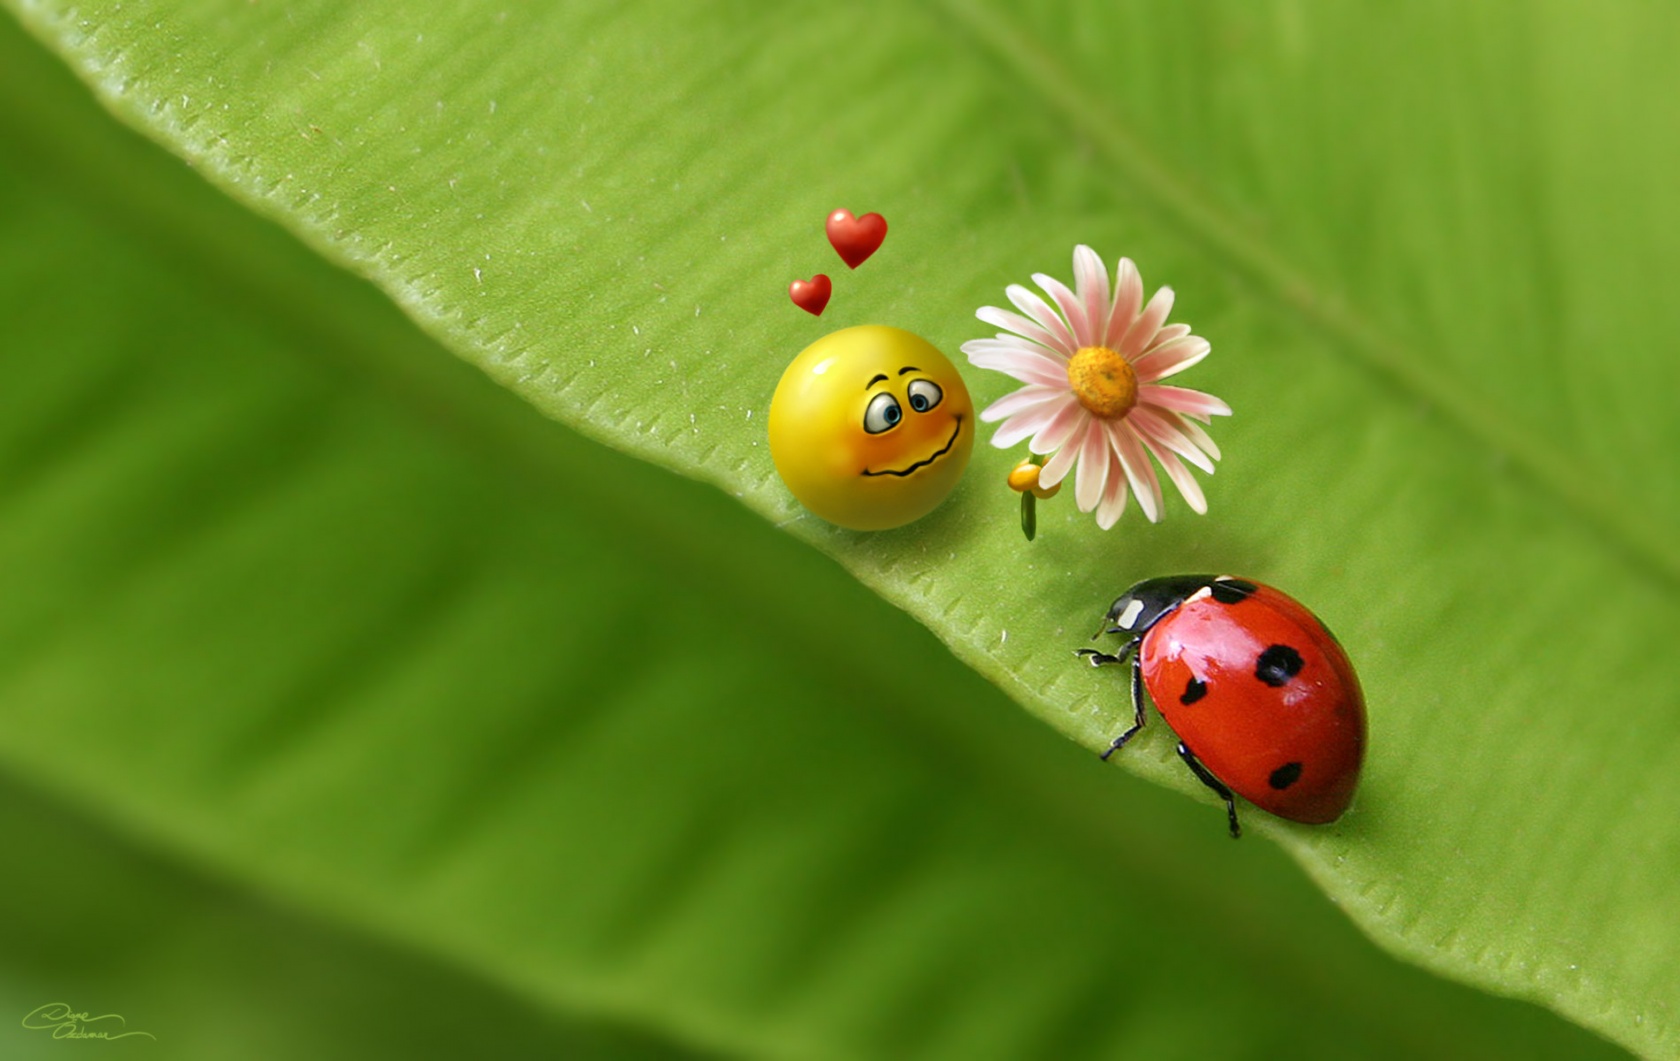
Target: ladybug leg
x: 1137, y: 703
x: 1214, y: 783
x: 1099, y: 659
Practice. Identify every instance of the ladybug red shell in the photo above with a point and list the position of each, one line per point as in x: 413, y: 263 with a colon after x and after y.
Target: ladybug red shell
x: 1261, y: 696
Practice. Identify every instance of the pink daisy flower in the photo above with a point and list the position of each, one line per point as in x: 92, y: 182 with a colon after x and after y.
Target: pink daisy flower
x: 1093, y: 398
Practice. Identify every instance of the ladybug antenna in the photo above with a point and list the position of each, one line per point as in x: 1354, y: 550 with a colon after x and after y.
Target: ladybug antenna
x: 1104, y: 628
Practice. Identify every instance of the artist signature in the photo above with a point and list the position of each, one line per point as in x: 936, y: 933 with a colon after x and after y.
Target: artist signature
x: 66, y: 1023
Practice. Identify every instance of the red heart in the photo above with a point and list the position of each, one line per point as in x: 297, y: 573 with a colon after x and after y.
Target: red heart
x: 856, y: 238
x: 811, y: 295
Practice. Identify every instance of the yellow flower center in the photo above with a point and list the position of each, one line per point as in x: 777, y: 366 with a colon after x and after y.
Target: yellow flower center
x: 1103, y: 381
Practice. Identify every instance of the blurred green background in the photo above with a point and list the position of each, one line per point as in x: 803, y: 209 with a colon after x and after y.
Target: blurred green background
x: 352, y: 707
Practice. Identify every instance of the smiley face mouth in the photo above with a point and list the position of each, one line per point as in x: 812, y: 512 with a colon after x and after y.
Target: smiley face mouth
x: 955, y: 431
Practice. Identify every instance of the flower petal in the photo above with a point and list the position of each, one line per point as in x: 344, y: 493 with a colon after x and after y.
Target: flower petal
x: 1056, y: 468
x: 1180, y: 476
x: 1061, y: 429
x: 1024, y: 424
x: 1128, y: 299
x: 1169, y: 359
x: 1039, y: 310
x: 1005, y: 342
x: 1090, y: 279
x: 1092, y: 473
x: 1113, y: 501
x: 1070, y: 306
x: 1155, y: 428
x: 1021, y: 400
x: 1014, y: 322
x: 1168, y: 334
x: 1183, y: 400
x: 1142, y: 332
x: 1137, y: 467
x: 1193, y: 431
x: 1028, y: 366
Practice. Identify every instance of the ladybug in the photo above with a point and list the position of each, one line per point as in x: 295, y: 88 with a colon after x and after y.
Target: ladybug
x: 1260, y: 694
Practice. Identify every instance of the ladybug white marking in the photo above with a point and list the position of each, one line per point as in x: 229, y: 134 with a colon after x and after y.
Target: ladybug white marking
x: 1129, y: 616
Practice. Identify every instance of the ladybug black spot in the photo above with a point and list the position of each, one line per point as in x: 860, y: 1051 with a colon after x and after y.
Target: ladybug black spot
x: 1277, y: 665
x: 1231, y: 590
x: 1193, y: 690
x: 1285, y: 775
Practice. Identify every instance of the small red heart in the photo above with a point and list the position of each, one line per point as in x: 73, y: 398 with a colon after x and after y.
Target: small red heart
x: 856, y: 238
x: 811, y: 295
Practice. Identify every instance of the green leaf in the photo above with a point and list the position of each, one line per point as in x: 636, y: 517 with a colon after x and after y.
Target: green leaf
x: 322, y: 612
x: 199, y: 968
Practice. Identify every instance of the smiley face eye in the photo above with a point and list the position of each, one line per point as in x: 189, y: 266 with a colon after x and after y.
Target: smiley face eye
x: 882, y: 414
x: 924, y: 394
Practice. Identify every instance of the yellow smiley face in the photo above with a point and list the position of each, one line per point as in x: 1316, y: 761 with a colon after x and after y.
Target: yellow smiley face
x: 871, y: 427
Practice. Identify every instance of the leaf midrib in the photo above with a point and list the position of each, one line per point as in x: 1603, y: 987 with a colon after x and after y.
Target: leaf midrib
x: 1551, y: 469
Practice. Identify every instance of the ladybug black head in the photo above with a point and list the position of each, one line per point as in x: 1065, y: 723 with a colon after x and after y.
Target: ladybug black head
x: 1146, y: 603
